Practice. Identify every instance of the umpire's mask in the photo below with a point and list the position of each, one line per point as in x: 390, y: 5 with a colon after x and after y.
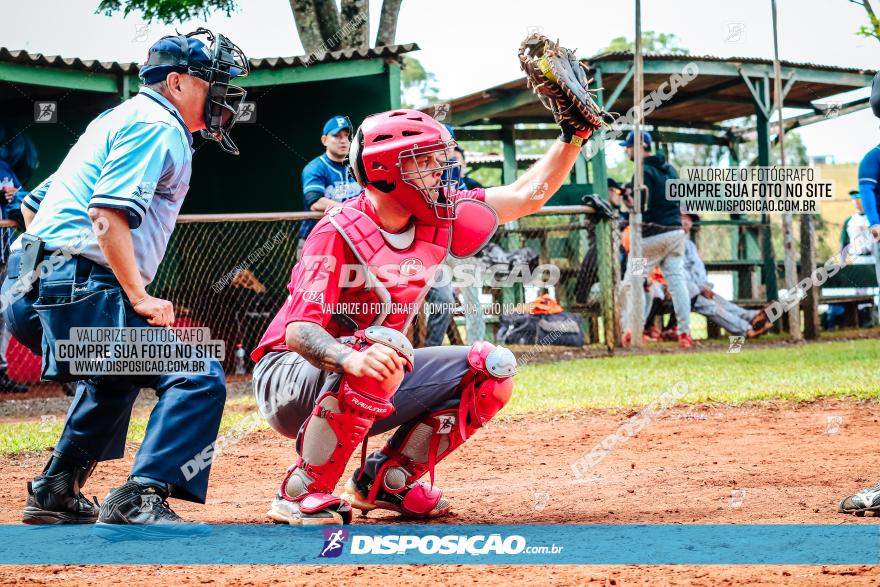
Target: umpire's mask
x: 216, y: 62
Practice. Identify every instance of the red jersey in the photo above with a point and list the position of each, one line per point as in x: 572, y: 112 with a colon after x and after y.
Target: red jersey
x: 323, y: 281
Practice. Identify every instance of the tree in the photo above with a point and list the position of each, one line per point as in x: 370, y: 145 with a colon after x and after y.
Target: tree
x: 322, y: 26
x: 689, y: 155
x: 795, y: 151
x: 418, y: 86
x: 621, y: 170
x: 167, y: 11
x: 872, y: 29
x: 388, y: 22
x: 652, y: 42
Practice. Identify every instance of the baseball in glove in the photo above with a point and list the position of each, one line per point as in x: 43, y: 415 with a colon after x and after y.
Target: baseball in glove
x: 560, y: 81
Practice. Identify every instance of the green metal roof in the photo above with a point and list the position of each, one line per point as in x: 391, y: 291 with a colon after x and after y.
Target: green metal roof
x: 720, y: 92
x: 109, y: 76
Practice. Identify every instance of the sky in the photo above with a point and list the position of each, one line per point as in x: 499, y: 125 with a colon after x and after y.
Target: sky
x: 470, y: 45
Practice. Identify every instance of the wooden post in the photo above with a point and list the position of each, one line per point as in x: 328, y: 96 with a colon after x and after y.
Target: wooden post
x: 810, y: 304
x: 606, y: 251
x: 125, y: 90
x: 763, y: 128
x: 736, y: 250
x: 508, y: 149
x: 794, y: 315
x: 515, y: 294
x: 580, y: 171
x: 635, y: 232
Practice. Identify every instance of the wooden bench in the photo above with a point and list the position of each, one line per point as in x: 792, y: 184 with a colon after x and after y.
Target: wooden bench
x: 858, y: 277
x: 713, y: 330
x: 746, y: 272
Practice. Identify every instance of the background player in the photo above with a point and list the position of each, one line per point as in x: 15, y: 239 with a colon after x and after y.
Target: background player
x: 327, y: 180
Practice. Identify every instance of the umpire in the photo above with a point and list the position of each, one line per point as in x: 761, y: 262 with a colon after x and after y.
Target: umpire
x: 110, y: 208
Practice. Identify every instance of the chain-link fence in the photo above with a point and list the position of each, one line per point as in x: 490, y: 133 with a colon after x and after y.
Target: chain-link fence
x: 567, y: 243
x: 230, y: 273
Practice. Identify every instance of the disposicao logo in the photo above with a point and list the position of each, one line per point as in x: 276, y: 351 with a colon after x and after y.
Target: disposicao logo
x: 473, y: 545
x: 334, y: 540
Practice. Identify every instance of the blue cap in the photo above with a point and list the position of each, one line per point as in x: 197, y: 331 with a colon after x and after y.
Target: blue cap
x: 169, y: 56
x: 631, y: 139
x: 336, y: 124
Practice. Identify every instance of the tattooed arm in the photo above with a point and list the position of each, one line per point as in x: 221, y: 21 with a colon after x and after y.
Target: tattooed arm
x: 319, y: 348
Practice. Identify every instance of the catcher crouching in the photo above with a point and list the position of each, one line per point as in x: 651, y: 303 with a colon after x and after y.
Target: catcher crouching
x: 332, y: 378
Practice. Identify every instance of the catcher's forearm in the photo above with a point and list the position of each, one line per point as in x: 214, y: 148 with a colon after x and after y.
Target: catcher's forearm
x: 552, y: 168
x: 537, y: 185
x: 316, y: 345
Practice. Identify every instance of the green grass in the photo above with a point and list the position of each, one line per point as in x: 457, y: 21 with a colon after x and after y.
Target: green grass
x: 38, y: 436
x: 802, y: 372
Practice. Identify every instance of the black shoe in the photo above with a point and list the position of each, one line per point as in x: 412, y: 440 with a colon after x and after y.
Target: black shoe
x: 7, y: 385
x: 54, y: 496
x: 139, y: 510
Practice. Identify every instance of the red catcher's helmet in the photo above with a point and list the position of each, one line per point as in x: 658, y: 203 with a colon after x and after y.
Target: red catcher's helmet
x: 381, y: 145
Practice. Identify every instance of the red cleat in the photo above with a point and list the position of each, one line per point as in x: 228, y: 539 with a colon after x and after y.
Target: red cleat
x: 652, y: 334
x: 685, y: 341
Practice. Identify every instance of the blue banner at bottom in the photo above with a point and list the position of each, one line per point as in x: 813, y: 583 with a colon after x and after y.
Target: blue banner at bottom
x: 777, y: 544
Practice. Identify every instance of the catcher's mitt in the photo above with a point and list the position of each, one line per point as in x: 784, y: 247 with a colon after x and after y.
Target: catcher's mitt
x: 560, y: 81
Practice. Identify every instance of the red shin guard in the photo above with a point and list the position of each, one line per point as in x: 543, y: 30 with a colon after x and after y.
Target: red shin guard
x: 484, y: 390
x: 361, y: 401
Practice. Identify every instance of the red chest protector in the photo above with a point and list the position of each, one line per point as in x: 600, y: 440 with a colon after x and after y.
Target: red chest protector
x: 397, y: 280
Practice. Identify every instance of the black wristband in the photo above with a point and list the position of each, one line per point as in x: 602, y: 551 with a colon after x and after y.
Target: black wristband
x: 571, y: 139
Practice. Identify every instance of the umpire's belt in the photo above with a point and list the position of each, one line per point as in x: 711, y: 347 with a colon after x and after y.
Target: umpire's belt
x: 58, y: 269
x: 73, y: 292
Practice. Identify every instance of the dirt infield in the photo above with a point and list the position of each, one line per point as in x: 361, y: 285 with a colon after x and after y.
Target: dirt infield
x: 760, y: 463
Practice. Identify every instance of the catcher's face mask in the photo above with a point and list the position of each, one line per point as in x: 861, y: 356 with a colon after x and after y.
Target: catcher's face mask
x: 433, y: 174
x: 216, y: 62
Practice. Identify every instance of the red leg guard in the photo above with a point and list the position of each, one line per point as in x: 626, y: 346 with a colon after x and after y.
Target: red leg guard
x: 484, y: 389
x: 361, y: 401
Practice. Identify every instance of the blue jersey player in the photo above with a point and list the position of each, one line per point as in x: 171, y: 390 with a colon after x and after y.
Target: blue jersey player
x: 868, y: 500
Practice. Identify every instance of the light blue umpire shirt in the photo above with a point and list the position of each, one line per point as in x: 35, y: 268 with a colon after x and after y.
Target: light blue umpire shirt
x: 135, y: 157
